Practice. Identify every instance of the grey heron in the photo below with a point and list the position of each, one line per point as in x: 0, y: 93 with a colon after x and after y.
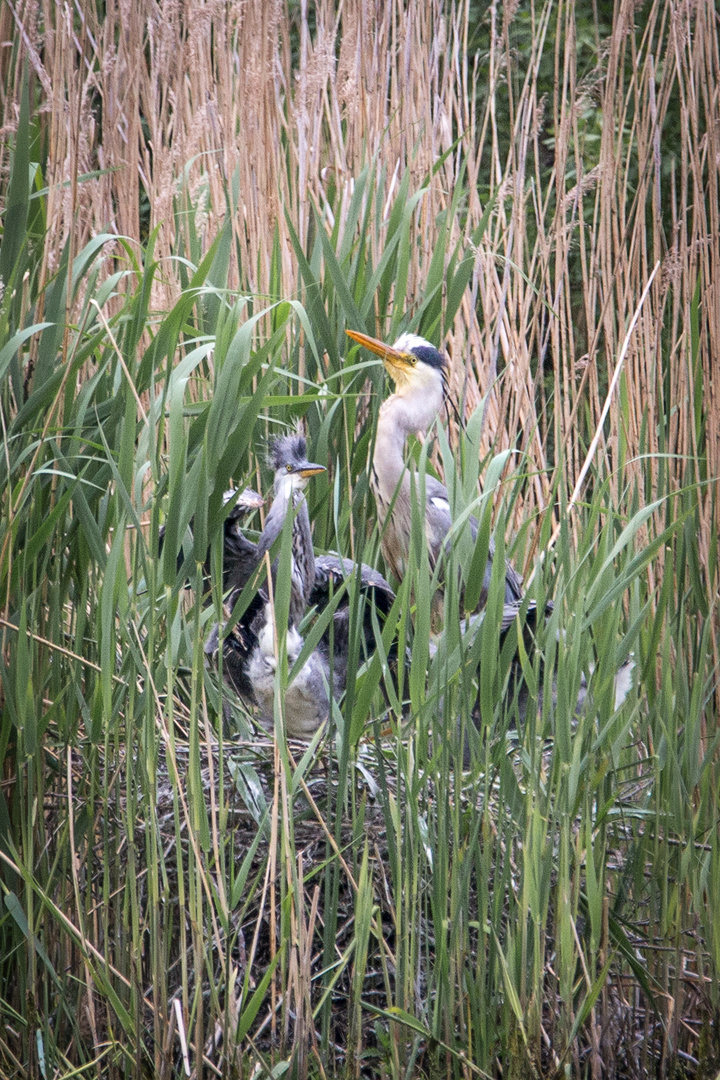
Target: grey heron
x: 419, y: 372
x: 239, y: 553
x: 249, y: 649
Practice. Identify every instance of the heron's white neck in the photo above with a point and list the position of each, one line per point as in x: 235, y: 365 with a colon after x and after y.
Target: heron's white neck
x: 404, y: 413
x: 289, y: 487
x: 388, y: 463
x: 414, y: 406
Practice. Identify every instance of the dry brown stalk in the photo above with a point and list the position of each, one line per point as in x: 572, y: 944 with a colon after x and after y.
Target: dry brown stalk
x: 179, y: 101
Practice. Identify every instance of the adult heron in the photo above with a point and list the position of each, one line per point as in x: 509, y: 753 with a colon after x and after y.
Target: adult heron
x: 419, y: 372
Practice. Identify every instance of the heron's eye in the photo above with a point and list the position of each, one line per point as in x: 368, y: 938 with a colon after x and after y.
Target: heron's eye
x: 288, y: 468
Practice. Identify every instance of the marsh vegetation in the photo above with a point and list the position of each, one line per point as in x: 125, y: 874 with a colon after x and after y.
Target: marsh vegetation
x: 198, y: 200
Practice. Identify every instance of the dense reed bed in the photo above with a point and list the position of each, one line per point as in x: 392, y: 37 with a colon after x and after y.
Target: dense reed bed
x: 465, y: 874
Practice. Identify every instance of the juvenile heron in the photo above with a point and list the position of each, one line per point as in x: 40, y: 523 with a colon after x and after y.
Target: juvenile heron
x: 249, y: 653
x: 239, y: 553
x: 419, y: 372
x: 288, y: 457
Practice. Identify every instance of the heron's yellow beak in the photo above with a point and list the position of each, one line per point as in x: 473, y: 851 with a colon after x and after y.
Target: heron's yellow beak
x: 311, y: 470
x: 397, y: 362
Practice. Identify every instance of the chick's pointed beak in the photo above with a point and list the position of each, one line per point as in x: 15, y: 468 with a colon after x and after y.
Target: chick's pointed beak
x: 396, y: 361
x: 308, y: 468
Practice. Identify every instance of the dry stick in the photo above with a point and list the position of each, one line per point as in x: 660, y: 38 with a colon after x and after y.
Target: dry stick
x: 120, y: 357
x: 181, y: 1035
x: 606, y: 408
x: 32, y: 52
x: 60, y: 649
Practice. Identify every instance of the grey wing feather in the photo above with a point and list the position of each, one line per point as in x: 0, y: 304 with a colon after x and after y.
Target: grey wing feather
x: 438, y: 519
x: 511, y: 610
x: 439, y: 523
x: 335, y: 569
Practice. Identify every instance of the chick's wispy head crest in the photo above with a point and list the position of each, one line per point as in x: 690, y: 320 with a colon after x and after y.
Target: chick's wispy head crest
x: 287, y: 450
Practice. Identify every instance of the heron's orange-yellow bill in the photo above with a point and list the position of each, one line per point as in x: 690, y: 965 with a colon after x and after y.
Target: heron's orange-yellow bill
x: 376, y: 346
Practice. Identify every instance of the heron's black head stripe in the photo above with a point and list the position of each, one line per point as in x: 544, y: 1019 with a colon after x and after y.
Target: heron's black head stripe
x: 430, y: 356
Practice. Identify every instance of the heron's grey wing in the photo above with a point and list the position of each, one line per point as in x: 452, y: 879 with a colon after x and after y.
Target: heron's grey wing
x: 332, y: 570
x: 439, y: 523
x: 513, y: 583
x: 510, y: 612
x: 438, y: 517
x: 511, y: 609
x: 240, y: 557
